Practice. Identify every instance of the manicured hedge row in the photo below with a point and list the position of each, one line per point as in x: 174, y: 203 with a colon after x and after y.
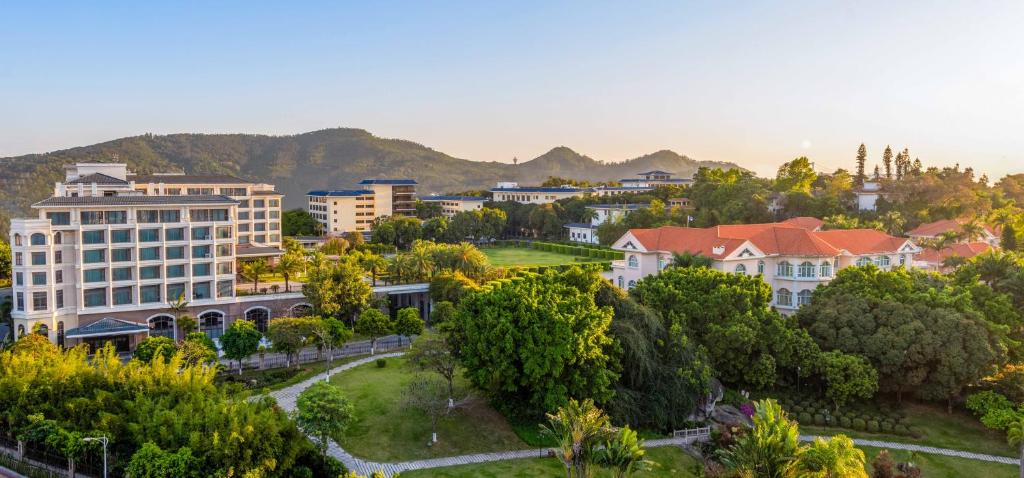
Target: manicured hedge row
x: 818, y: 412
x: 591, y: 251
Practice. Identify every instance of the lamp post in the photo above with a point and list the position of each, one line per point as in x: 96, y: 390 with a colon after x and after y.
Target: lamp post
x: 103, y: 440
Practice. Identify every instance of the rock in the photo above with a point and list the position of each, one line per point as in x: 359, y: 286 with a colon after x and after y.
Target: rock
x: 729, y: 415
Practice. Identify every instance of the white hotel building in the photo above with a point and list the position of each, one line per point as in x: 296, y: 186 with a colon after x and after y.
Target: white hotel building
x: 793, y: 256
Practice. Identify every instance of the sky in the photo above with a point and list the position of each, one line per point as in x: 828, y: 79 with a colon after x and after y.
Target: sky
x: 755, y: 83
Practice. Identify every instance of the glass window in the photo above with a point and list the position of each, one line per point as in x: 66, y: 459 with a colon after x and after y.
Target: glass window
x: 176, y: 271
x: 121, y: 235
x: 244, y: 203
x: 225, y: 288
x: 211, y: 323
x: 58, y: 257
x: 826, y: 269
x: 149, y: 254
x: 94, y: 237
x: 121, y: 273
x: 58, y: 277
x: 803, y: 298
x: 784, y: 269
x: 243, y: 227
x: 200, y: 252
x: 59, y: 218
x: 223, y: 232
x: 147, y: 216
x: 224, y: 250
x: 176, y: 252
x: 258, y: 203
x: 58, y: 298
x: 20, y: 301
x: 95, y: 297
x: 121, y: 255
x: 91, y: 217
x: 261, y: 238
x: 161, y: 326
x: 58, y: 238
x: 149, y: 235
x: 172, y: 215
x: 243, y: 239
x: 19, y: 278
x: 219, y: 215
x: 261, y: 215
x: 175, y: 234
x: 784, y: 297
x: 201, y: 269
x: 233, y: 192
x: 760, y: 267
x: 149, y: 272
x: 37, y: 239
x: 224, y: 267
x: 200, y: 233
x: 863, y: 261
x: 17, y: 257
x: 39, y: 258
x: 38, y: 278
x: 275, y: 203
x: 116, y: 217
x: 275, y: 226
x: 93, y: 256
x: 94, y: 275
x: 275, y: 214
x: 259, y: 227
x: 121, y: 295
x: 174, y: 291
x: 633, y: 262
x: 39, y: 301
x: 806, y: 269
x: 741, y: 269
x: 884, y: 261
x: 149, y: 294
x: 201, y: 290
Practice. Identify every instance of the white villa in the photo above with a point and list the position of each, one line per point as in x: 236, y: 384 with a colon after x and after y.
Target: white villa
x: 601, y: 213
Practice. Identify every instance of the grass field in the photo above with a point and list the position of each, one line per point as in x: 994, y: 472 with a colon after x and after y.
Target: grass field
x: 938, y: 466
x: 522, y: 256
x: 667, y: 462
x: 386, y: 431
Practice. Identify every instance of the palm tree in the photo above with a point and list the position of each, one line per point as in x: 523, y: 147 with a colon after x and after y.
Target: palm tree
x: 624, y: 454
x: 577, y: 428
x: 373, y: 264
x: 687, y: 259
x: 971, y: 230
x: 943, y: 240
x: 253, y: 270
x: 422, y: 262
x: 833, y: 458
x: 178, y: 307
x: 1015, y: 437
x: 289, y: 264
x: 893, y: 223
x: 400, y: 268
x: 767, y: 449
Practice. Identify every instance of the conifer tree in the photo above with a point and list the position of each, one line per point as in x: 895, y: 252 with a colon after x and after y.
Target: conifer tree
x: 917, y: 166
x: 878, y: 173
x: 862, y: 159
x: 887, y: 162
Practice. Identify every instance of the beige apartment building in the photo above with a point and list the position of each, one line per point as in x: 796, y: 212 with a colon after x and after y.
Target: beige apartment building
x: 353, y: 210
x: 452, y: 205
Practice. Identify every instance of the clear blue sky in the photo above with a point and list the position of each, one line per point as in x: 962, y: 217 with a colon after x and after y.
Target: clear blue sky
x: 757, y: 83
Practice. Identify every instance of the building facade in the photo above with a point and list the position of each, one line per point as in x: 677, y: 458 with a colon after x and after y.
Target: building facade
x: 934, y: 230
x: 653, y: 179
x: 536, y: 195
x: 353, y: 210
x: 792, y: 259
x: 452, y: 205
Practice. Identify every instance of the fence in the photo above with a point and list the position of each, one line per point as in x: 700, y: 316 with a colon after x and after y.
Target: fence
x: 310, y: 354
x: 695, y: 433
x: 35, y: 462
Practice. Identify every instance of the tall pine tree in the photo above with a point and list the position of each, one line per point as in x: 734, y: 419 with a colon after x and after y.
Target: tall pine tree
x: 862, y: 159
x: 887, y: 162
x: 878, y: 174
x: 917, y: 166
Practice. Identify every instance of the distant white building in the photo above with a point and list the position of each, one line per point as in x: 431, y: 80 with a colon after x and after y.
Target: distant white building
x: 868, y: 194
x: 600, y: 214
x: 506, y: 191
x: 452, y: 205
x: 652, y: 179
x: 353, y: 210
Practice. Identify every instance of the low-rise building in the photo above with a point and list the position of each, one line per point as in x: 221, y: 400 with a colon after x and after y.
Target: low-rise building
x: 536, y: 195
x: 934, y: 230
x: 652, y: 179
x: 868, y: 195
x: 452, y: 205
x: 941, y: 260
x: 791, y: 258
x: 599, y: 214
x: 347, y: 210
x: 682, y: 203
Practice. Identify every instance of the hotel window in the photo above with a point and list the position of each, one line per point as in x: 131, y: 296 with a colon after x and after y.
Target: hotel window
x: 175, y: 291
x: 172, y: 191
x: 200, y: 269
x: 93, y: 256
x: 633, y: 262
x: 147, y: 216
x: 200, y: 233
x: 863, y: 261
x: 803, y: 298
x: 261, y: 238
x: 233, y: 192
x: 39, y: 301
x: 39, y: 258
x: 17, y: 258
x: 120, y: 235
x: 260, y: 215
x: 37, y: 239
x: 199, y: 191
x: 225, y: 288
x: 784, y: 269
x: 784, y: 298
x: 20, y: 301
x: 172, y: 215
x: 826, y: 269
x: 201, y: 290
x: 243, y: 239
x: 149, y: 253
x: 176, y: 252
x: 219, y: 215
x: 275, y: 214
x: 149, y: 235
x: 741, y: 269
x: 243, y: 227
x: 121, y: 295
x: 806, y: 269
x: 91, y: 217
x: 58, y: 298
x: 275, y: 238
x: 259, y: 227
x: 116, y: 217
x: 149, y: 294
x: 59, y: 218
x: 224, y: 268
x: 94, y: 237
x: 149, y: 272
x: 200, y: 252
x: 120, y: 255
x: 58, y: 277
x: 176, y: 234
x: 274, y: 203
x: 95, y: 297
x: 244, y: 204
x: 224, y: 250
x: 38, y: 278
x: 175, y: 271
x: 223, y: 232
x: 19, y: 278
x: 243, y: 215
x: 94, y: 275
x: 121, y: 273
x: 258, y: 203
x: 58, y: 238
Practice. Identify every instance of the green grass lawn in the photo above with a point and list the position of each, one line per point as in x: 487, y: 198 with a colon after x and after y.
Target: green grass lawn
x: 668, y: 462
x: 522, y: 256
x: 958, y: 431
x: 938, y: 466
x: 385, y: 431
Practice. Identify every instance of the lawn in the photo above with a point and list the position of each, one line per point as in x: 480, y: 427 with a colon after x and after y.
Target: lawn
x: 668, y: 462
x: 938, y: 466
x: 523, y: 256
x: 385, y: 431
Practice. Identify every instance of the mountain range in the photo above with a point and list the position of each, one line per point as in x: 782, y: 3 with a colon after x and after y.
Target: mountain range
x: 327, y: 159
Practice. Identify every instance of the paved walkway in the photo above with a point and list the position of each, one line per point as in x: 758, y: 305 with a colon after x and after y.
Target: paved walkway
x: 926, y: 449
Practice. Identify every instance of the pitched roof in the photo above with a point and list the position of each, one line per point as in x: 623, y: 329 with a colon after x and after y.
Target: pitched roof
x: 933, y: 229
x: 580, y: 225
x: 187, y: 179
x: 804, y: 222
x: 388, y: 181
x: 630, y: 207
x: 341, y: 192
x: 98, y: 178
x: 132, y: 200
x: 966, y: 250
x: 107, y: 326
x: 656, y: 171
x: 862, y: 241
x: 452, y: 198
x: 541, y: 190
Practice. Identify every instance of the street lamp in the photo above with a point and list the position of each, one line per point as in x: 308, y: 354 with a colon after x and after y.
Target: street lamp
x: 103, y: 440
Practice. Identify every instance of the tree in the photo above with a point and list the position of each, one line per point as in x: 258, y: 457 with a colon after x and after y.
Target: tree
x: 847, y: 376
x: 428, y: 394
x: 178, y: 306
x: 329, y: 334
x: 426, y: 210
x: 893, y: 223
x: 685, y: 259
x: 240, y: 341
x: 442, y: 314
x: 887, y: 162
x: 253, y: 270
x: 151, y: 461
x: 5, y: 260
x: 298, y: 222
x: 971, y: 230
x: 882, y: 466
x: 408, y: 322
x: 862, y: 158
x: 197, y: 349
x: 152, y: 347
x: 623, y: 454
x: 433, y: 352
x: 322, y: 412
x: 1008, y: 239
x: 577, y: 428
x: 187, y: 324
x: 795, y: 176
x: 832, y: 458
x: 289, y: 335
x: 767, y: 449
x: 374, y: 324
x: 374, y: 264
x: 336, y: 289
x: 290, y: 263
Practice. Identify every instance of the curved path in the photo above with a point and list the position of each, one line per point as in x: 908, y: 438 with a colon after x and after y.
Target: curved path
x: 287, y: 396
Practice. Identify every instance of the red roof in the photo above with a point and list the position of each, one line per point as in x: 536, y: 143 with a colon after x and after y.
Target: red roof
x: 966, y: 250
x: 934, y: 229
x: 771, y: 238
x: 804, y: 222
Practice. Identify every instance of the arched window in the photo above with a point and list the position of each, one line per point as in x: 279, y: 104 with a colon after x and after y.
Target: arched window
x: 803, y: 297
x: 741, y: 269
x: 301, y: 310
x: 784, y: 269
x: 633, y: 262
x: 826, y: 269
x: 17, y: 239
x: 43, y: 330
x: 632, y: 284
x: 760, y: 267
x: 259, y: 316
x: 863, y: 261
x: 806, y: 269
x: 212, y: 324
x: 784, y: 298
x: 37, y: 239
x: 60, y: 334
x: 21, y: 331
x: 161, y: 326
x: 622, y: 283
x: 662, y: 263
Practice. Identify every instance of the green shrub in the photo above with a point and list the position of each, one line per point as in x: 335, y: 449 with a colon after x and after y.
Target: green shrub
x: 859, y: 425
x: 873, y: 426
x: 887, y: 427
x: 819, y: 419
x: 845, y: 422
x: 901, y: 430
x: 804, y: 418
x: 381, y: 363
x: 796, y: 408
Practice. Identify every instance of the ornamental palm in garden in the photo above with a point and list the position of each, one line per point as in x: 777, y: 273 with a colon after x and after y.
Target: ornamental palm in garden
x: 578, y: 429
x: 833, y: 458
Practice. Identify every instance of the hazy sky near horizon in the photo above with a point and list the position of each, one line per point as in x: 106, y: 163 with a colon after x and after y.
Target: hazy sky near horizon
x: 756, y: 83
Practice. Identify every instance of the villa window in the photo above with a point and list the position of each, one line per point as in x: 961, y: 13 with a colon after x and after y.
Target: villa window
x: 884, y: 261
x: 784, y: 297
x: 760, y: 267
x: 632, y: 284
x: 826, y: 269
x: 622, y: 283
x: 863, y: 261
x: 806, y: 269
x: 633, y: 262
x: 37, y: 239
x: 803, y: 298
x: 741, y: 269
x: 784, y: 269
x: 161, y: 326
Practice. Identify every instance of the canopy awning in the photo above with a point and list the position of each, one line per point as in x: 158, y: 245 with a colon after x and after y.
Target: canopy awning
x: 105, y: 327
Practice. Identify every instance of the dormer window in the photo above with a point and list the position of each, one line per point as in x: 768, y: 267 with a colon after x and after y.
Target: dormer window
x: 633, y: 262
